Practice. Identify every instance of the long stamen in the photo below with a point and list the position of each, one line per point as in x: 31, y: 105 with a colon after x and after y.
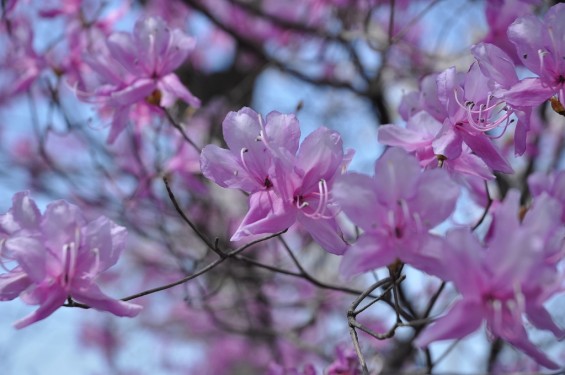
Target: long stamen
x: 241, y: 152
x: 263, y: 133
x: 508, y: 122
x: 322, y: 202
x: 541, y: 55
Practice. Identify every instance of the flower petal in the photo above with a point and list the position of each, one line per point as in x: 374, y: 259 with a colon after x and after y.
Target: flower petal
x: 462, y: 319
x: 224, y: 168
x: 52, y: 299
x: 267, y: 214
x: 325, y: 232
x: 92, y: 296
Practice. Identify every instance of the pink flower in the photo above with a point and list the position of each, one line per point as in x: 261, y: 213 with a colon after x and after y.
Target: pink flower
x: 59, y: 255
x: 137, y: 69
x: 471, y: 108
x: 287, y: 184
x: 541, y: 47
x: 511, y: 276
x: 395, y: 209
x: 19, y: 63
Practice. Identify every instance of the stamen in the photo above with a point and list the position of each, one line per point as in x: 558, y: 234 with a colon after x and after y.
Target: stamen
x: 322, y: 202
x: 541, y: 55
x: 508, y: 122
x: 241, y: 152
x: 262, y: 133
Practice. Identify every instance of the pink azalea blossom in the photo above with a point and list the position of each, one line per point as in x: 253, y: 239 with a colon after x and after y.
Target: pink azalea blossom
x: 20, y: 64
x: 508, y: 277
x: 541, y: 47
x: 287, y: 184
x: 59, y: 255
x: 137, y: 70
x: 395, y: 209
x: 418, y: 137
x: 471, y: 108
x: 468, y: 110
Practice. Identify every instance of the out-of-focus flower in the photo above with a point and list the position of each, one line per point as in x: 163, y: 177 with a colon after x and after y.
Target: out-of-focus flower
x: 137, y: 70
x: 59, y: 255
x: 511, y: 276
x: 395, y: 209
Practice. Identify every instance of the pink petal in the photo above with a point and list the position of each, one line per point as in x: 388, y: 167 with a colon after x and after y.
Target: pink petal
x: 123, y: 50
x: 134, y: 93
x: 462, y: 319
x: 528, y: 92
x: 436, y: 197
x: 356, y: 195
x: 224, y: 168
x: 13, y: 283
x: 30, y: 254
x: 397, y: 174
x: 119, y: 123
x: 103, y: 243
x: 448, y: 142
x: 496, y: 64
x: 179, y: 47
x: 172, y: 88
x: 25, y: 211
x: 283, y: 131
x: 91, y: 295
x: 528, y: 34
x: 151, y: 38
x: 267, y: 214
x: 483, y: 147
x: 319, y: 157
x: 540, y: 318
x: 325, y: 232
x: 53, y: 298
x: 368, y: 253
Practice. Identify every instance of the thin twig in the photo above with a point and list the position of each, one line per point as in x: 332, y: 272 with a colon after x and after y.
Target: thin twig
x: 202, y: 271
x: 212, y: 246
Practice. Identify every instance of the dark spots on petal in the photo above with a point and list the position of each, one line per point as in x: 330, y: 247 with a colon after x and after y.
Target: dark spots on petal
x: 268, y: 183
x: 525, y: 55
x: 398, y: 232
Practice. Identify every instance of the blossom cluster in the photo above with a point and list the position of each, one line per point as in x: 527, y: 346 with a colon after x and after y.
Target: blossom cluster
x: 471, y: 136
